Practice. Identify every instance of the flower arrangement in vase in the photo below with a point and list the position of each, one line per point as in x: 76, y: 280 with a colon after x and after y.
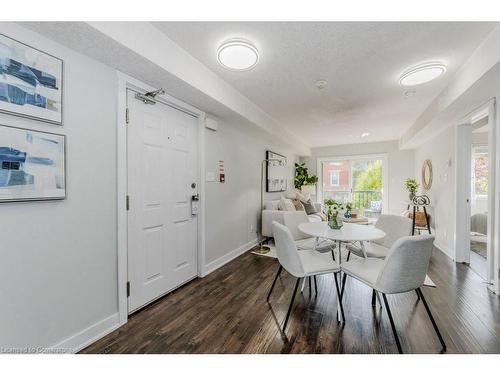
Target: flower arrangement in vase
x: 348, y: 208
x: 332, y: 211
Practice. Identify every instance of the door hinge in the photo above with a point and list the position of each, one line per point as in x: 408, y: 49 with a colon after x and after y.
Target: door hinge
x: 127, y: 118
x: 128, y: 288
x: 128, y: 202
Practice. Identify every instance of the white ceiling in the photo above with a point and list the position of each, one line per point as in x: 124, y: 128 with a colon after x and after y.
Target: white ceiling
x: 361, y: 61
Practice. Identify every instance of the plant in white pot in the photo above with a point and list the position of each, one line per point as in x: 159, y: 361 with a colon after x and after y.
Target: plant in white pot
x: 304, y: 182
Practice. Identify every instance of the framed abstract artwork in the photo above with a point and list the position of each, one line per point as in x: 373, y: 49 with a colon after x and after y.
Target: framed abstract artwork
x: 275, y: 180
x: 32, y: 165
x: 30, y: 82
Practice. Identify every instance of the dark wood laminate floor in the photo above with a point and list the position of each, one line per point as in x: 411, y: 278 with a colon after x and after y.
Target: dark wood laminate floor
x: 226, y: 312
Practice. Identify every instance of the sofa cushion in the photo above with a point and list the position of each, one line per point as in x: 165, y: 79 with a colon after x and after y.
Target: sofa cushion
x: 298, y: 205
x: 272, y: 205
x: 302, y: 197
x: 286, y: 204
x: 314, y: 218
x: 309, y: 207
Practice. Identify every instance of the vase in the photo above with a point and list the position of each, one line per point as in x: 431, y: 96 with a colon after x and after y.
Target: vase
x: 411, y: 196
x: 347, y: 214
x: 335, y: 222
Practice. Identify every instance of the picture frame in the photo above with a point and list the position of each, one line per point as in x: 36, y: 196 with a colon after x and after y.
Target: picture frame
x: 32, y: 165
x: 31, y: 82
x: 275, y: 185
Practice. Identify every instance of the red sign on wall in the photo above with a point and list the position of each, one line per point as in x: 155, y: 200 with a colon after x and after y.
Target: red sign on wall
x: 222, y: 172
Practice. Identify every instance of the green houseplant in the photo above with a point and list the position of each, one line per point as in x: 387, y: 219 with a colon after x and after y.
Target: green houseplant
x: 302, y: 176
x: 411, y: 185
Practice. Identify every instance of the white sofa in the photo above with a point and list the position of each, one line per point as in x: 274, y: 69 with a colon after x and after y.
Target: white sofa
x: 271, y: 213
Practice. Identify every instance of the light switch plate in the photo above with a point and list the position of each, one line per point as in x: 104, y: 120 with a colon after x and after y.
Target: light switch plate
x: 210, y: 177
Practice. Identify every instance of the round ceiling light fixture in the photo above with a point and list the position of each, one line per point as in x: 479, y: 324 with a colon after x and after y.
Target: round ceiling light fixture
x: 237, y: 55
x: 421, y: 74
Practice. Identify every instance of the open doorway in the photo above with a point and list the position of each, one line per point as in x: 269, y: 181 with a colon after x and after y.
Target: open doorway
x: 477, y: 203
x: 479, y: 198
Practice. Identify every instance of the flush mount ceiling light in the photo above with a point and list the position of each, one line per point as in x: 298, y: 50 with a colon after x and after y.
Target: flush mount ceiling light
x: 237, y: 55
x: 421, y: 74
x: 366, y: 134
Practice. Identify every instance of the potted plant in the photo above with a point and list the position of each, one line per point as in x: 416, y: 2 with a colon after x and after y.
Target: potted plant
x: 411, y: 185
x: 302, y: 179
x: 332, y: 211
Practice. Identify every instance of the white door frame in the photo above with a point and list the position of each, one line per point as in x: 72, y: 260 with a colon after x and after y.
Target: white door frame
x: 385, y: 174
x: 463, y: 145
x: 126, y: 82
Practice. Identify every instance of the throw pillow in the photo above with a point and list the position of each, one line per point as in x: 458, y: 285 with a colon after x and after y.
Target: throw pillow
x: 298, y: 205
x: 309, y: 207
x: 302, y: 197
x: 286, y: 205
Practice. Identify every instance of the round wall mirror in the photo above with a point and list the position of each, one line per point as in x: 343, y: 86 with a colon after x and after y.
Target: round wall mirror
x: 427, y: 174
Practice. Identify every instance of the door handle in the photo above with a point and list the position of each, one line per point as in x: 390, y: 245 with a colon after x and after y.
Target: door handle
x: 194, y: 204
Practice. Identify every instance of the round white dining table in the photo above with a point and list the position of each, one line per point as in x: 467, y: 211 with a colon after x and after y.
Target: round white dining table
x: 348, y: 233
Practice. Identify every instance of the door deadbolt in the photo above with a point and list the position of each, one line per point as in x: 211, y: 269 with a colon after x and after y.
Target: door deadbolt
x: 193, y: 185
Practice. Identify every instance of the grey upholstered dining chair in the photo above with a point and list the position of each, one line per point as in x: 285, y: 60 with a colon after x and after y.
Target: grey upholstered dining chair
x: 395, y: 227
x: 403, y: 270
x: 300, y: 264
x: 292, y: 220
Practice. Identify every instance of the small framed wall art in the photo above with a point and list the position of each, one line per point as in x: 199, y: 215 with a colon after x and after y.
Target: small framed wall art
x: 31, y: 82
x: 32, y: 165
x: 276, y: 180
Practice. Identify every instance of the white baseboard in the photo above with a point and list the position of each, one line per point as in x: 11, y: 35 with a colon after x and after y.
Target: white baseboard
x: 217, y: 263
x: 89, y: 335
x: 445, y: 250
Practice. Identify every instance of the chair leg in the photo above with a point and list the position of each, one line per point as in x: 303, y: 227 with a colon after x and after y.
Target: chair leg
x: 274, y: 282
x: 339, y: 296
x: 333, y: 255
x: 418, y: 295
x: 303, y: 285
x: 374, y: 298
x: 419, y: 291
x: 310, y: 287
x: 343, y: 285
x: 392, y: 324
x: 315, y: 286
x: 348, y: 256
x: 291, y: 304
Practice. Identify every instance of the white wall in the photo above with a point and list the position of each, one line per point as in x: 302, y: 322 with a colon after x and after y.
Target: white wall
x: 58, y: 259
x: 400, y: 165
x: 441, y: 151
x: 232, y: 208
x: 58, y: 266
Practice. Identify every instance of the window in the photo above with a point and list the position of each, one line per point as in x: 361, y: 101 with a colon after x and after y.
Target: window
x: 334, y: 178
x: 480, y: 172
x: 358, y: 180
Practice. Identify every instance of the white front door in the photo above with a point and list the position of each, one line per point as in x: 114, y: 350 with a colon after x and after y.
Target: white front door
x: 162, y: 179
